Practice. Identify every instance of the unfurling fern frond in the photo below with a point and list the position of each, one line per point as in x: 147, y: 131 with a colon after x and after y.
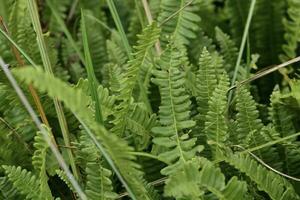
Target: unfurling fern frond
x: 291, y: 27
x: 117, y: 150
x: 216, y: 124
x: 131, y: 77
x: 182, y: 27
x: 274, y: 185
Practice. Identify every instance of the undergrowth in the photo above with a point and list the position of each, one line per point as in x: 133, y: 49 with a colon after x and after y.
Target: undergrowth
x: 144, y: 100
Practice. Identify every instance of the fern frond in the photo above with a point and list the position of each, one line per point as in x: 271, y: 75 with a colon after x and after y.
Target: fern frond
x: 182, y: 27
x: 39, y: 163
x: 118, y: 152
x: 248, y: 117
x: 228, y: 49
x: 146, y: 41
x: 274, y: 185
x: 216, y: 124
x: 26, y: 183
x: 291, y: 27
x: 140, y: 123
x: 206, y: 81
x: 7, y: 190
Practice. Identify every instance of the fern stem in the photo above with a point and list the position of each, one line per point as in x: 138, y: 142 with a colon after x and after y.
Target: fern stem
x: 36, y: 120
x: 90, y: 71
x: 150, y: 20
x: 242, y: 47
x: 119, y: 26
x: 148, y: 155
x: 47, y: 65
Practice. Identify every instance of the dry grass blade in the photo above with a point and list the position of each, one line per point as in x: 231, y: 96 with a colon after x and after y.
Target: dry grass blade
x: 265, y: 72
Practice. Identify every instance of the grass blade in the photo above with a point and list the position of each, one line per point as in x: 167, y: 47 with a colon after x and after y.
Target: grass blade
x: 47, y: 65
x: 90, y: 71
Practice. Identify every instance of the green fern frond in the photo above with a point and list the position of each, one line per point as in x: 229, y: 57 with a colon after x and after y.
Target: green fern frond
x: 39, y: 163
x: 146, y: 41
x: 248, y: 117
x: 228, y: 49
x: 26, y: 183
x: 140, y: 122
x: 7, y: 190
x: 182, y: 27
x: 216, y: 123
x: 291, y: 27
x: 117, y: 149
x: 274, y: 185
x: 206, y: 81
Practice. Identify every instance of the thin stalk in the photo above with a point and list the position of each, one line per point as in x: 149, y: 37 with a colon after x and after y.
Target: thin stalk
x: 90, y: 71
x: 242, y: 47
x: 36, y: 120
x: 150, y: 20
x: 65, y: 30
x: 47, y: 65
x: 32, y: 91
x: 266, y: 71
x: 119, y: 26
x: 139, y: 13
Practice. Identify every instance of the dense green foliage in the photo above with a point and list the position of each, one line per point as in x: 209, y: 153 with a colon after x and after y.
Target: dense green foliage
x: 139, y: 108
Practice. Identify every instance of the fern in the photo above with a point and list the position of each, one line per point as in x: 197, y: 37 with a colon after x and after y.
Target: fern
x: 181, y: 27
x: 118, y: 150
x: 26, y: 183
x: 145, y: 43
x: 216, y: 124
x: 268, y: 181
x: 291, y: 28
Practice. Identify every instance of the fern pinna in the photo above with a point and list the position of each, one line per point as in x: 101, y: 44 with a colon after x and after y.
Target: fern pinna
x: 144, y: 88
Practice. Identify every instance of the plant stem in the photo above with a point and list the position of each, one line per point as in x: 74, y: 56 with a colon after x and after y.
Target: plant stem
x: 90, y: 71
x: 47, y: 65
x: 119, y: 26
x: 242, y: 47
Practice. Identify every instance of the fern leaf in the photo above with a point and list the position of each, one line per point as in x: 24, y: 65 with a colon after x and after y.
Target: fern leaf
x: 228, y: 49
x: 274, y: 185
x: 26, y: 183
x: 39, y: 163
x: 216, y: 125
x: 182, y: 27
x: 291, y: 27
x: 7, y: 190
x: 117, y: 149
x: 206, y: 81
x: 146, y: 41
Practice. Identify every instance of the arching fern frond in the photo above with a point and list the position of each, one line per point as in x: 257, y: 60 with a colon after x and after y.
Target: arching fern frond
x: 274, y: 185
x: 117, y: 150
x: 146, y: 41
